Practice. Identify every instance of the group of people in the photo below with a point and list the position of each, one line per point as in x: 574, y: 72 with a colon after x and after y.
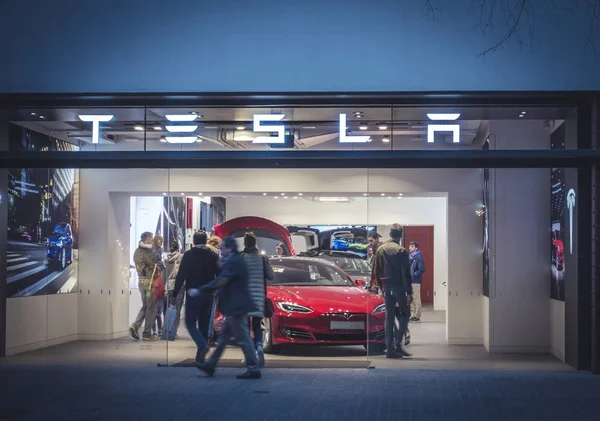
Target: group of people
x: 397, y: 274
x: 211, y: 265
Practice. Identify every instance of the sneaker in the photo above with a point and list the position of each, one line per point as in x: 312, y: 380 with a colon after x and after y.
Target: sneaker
x: 393, y: 355
x: 403, y: 352
x: 249, y: 375
x: 407, y: 340
x: 160, y: 333
x: 416, y: 320
x: 260, y: 354
x: 134, y: 333
x: 149, y: 337
x: 207, y: 368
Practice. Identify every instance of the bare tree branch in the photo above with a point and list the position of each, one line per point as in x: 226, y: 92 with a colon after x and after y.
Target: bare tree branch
x: 514, y: 15
x: 594, y: 7
x: 429, y: 8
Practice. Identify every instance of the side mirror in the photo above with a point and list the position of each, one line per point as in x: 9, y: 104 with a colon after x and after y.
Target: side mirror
x: 360, y: 283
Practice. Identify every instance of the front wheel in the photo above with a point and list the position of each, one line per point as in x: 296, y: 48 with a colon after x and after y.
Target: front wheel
x: 268, y: 345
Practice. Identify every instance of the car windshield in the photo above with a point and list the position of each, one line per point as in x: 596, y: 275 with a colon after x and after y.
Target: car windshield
x: 349, y: 264
x: 60, y: 229
x: 303, y: 273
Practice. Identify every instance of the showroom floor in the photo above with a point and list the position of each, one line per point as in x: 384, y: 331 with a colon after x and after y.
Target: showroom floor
x: 428, y: 348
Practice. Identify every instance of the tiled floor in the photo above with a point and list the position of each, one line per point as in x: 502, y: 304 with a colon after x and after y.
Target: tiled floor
x: 428, y: 347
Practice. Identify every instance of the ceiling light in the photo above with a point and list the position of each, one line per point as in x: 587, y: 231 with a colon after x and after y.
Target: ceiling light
x: 276, y: 197
x: 399, y: 194
x: 42, y: 117
x: 181, y: 139
x: 283, y: 194
x: 33, y: 114
x: 332, y: 199
x: 386, y: 140
x: 181, y: 117
x: 383, y: 194
x: 299, y: 194
x: 285, y: 197
x: 199, y: 194
x: 240, y: 127
x: 443, y: 116
x: 309, y: 127
x: 365, y: 194
x: 295, y: 197
x: 389, y: 197
x: 358, y: 115
x: 163, y: 139
x: 193, y: 113
x: 157, y: 128
x: 264, y: 194
x: 164, y: 194
x: 139, y: 128
x: 181, y: 129
x: 521, y: 115
x: 183, y: 194
x: 383, y: 127
x: 523, y: 112
x: 399, y: 197
x: 363, y: 127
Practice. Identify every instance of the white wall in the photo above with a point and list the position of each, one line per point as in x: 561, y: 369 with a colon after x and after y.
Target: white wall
x: 100, y: 231
x: 520, y: 207
x: 360, y: 211
x: 40, y: 321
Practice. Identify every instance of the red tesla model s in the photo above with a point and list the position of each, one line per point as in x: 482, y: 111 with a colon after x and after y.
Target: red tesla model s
x: 316, y: 303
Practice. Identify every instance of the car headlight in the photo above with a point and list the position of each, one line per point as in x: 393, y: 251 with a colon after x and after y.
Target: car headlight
x: 293, y: 308
x: 380, y: 308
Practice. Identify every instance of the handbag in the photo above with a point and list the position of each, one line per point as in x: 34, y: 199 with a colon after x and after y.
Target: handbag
x: 168, y: 332
x: 157, y: 288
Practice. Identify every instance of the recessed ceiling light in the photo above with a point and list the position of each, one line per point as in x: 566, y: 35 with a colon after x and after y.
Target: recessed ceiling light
x: 163, y: 139
x: 157, y: 128
x: 276, y: 197
x: 42, y: 117
x: 183, y: 194
x: 283, y: 194
x: 365, y: 194
x: 164, y: 194
x: 240, y: 127
x: 399, y: 197
x: 33, y: 114
x: 295, y: 197
x: 199, y: 194
x: 139, y: 128
x: 383, y: 127
x: 399, y: 194
x: 383, y: 194
x: 386, y: 140
x: 523, y: 112
x: 358, y: 115
x: 309, y: 127
x: 521, y: 115
x: 264, y: 194
x: 363, y: 127
x: 299, y: 194
x: 193, y: 113
x: 285, y: 197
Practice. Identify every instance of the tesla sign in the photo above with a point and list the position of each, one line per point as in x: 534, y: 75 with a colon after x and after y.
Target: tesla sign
x: 267, y: 123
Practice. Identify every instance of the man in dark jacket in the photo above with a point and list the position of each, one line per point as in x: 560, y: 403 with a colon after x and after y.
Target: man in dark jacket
x: 417, y: 268
x: 235, y: 303
x: 392, y: 268
x: 199, y: 266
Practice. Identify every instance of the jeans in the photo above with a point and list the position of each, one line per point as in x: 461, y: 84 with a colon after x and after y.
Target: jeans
x: 178, y: 305
x: 391, y: 298
x: 146, y: 313
x: 257, y: 330
x: 238, y: 327
x: 197, y: 318
x: 211, y: 326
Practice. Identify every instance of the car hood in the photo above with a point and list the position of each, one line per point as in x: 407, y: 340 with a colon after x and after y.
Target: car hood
x: 327, y: 299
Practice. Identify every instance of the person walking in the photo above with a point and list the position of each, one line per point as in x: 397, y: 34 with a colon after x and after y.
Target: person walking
x: 417, y: 269
x: 259, y: 271
x: 235, y: 303
x: 392, y: 268
x: 146, y: 267
x: 174, y: 258
x: 157, y: 251
x: 214, y: 243
x: 199, y: 266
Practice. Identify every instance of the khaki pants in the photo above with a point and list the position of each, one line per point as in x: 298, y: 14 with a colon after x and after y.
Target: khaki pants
x: 415, y: 307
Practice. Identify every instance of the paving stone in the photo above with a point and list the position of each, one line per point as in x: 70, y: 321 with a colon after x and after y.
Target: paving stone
x: 133, y: 393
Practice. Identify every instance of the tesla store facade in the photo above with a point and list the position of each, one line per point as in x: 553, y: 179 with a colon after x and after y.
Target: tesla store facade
x: 496, y: 184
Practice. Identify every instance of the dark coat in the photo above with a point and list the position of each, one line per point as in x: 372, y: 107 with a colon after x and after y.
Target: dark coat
x: 234, y: 297
x: 392, y: 267
x: 417, y: 267
x: 199, y: 266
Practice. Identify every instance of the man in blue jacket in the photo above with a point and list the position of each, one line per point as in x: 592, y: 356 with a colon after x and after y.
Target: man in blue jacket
x: 235, y: 303
x: 417, y: 268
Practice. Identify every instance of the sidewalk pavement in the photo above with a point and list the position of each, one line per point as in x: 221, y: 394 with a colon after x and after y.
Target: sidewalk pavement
x: 165, y: 393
